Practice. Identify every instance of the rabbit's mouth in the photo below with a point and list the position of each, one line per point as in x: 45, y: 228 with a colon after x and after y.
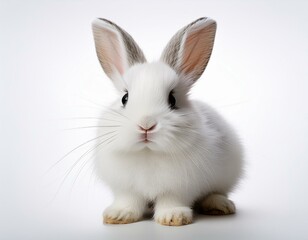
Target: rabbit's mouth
x: 146, y: 137
x: 146, y: 132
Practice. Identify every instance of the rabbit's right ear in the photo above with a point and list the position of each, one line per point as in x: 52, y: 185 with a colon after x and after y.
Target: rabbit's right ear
x: 116, y: 50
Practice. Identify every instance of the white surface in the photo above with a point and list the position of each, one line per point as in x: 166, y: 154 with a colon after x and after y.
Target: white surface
x: 257, y: 78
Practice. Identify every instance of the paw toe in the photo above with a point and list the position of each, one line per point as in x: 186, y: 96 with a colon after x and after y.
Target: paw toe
x: 118, y: 216
x: 174, y: 217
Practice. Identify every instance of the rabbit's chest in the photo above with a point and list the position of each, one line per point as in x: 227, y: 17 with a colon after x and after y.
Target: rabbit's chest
x: 151, y: 175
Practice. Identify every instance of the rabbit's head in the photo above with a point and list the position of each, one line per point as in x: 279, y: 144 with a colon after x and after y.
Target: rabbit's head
x: 153, y: 111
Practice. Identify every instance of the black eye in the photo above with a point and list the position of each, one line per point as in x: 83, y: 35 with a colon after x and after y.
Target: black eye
x: 125, y: 99
x: 171, y: 100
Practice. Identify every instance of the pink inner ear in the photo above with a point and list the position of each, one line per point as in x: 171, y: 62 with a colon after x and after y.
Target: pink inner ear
x: 116, y: 57
x: 109, y: 52
x: 197, y: 51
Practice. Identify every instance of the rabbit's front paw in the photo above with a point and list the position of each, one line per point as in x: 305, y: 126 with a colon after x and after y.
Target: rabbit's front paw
x: 120, y: 216
x: 176, y: 216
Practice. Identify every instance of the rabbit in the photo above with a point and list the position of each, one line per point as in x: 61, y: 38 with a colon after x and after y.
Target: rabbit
x: 155, y: 145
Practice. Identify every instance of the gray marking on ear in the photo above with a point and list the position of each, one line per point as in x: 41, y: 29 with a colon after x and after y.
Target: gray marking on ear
x: 134, y: 53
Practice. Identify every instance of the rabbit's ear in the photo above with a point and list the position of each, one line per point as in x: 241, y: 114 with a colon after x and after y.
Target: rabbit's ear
x: 116, y: 49
x: 189, y: 50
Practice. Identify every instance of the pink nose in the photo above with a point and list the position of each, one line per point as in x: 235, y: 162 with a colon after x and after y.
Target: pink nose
x: 150, y: 128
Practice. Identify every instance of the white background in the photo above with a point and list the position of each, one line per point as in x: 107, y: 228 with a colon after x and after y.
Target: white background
x: 257, y: 78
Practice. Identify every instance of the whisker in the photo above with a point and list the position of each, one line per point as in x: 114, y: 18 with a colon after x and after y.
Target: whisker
x: 201, y: 164
x: 86, y: 118
x: 74, y: 149
x: 102, y: 107
x: 79, y: 171
x: 92, y: 101
x: 234, y: 104
x: 188, y: 114
x: 180, y: 146
x: 116, y: 112
x: 78, y: 160
x: 92, y: 167
x: 87, y: 160
x: 173, y: 156
x: 66, y: 129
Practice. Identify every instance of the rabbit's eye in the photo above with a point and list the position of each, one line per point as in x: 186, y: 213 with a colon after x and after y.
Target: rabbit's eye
x: 171, y: 100
x: 125, y: 99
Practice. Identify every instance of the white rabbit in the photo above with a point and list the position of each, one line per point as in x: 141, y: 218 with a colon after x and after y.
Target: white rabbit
x: 155, y: 144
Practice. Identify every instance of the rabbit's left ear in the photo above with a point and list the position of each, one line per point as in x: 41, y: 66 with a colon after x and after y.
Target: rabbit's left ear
x: 189, y: 51
x: 116, y: 50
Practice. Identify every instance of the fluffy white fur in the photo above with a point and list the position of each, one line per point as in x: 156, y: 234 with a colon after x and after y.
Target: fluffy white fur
x: 192, y: 152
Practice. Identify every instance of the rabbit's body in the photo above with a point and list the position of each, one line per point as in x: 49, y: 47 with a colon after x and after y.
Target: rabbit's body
x: 204, y: 166
x: 209, y: 163
x: 158, y: 145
